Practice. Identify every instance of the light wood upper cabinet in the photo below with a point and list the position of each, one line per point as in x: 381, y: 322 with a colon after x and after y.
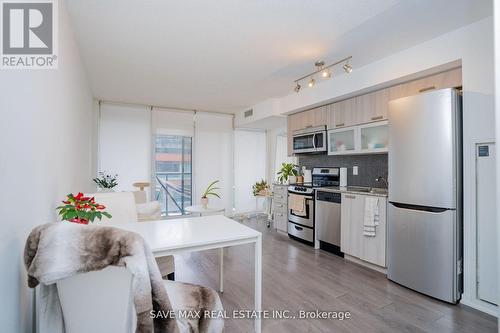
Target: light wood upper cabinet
x: 372, y: 107
x: 448, y: 79
x: 341, y: 114
x: 319, y: 116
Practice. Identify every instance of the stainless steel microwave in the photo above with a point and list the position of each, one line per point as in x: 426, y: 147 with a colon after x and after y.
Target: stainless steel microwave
x: 309, y: 140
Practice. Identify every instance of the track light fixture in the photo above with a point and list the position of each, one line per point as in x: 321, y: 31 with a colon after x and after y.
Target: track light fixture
x: 325, y: 71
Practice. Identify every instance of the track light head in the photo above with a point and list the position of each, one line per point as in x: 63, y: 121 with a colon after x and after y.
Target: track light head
x: 326, y: 74
x: 297, y: 87
x: 311, y: 83
x: 347, y: 68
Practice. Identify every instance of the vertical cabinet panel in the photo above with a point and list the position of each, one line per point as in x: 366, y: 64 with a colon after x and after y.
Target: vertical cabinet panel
x: 341, y: 114
x: 352, y: 240
x: 372, y: 107
x: 319, y: 116
x: 373, y: 249
x: 349, y: 227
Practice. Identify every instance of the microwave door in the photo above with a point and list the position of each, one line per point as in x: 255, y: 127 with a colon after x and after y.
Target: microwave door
x: 319, y: 141
x: 303, y: 143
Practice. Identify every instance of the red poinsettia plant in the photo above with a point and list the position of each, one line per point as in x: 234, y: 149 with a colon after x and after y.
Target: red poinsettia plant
x: 81, y: 209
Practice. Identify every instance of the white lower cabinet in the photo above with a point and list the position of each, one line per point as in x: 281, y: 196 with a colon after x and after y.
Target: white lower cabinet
x: 280, y: 207
x: 352, y: 240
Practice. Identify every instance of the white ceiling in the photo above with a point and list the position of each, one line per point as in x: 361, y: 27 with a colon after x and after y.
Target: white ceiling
x: 227, y: 55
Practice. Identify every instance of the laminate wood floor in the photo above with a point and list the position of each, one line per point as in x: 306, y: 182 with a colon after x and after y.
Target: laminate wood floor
x: 297, y: 277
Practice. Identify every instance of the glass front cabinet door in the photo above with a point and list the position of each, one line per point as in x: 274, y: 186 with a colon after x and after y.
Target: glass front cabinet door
x: 342, y: 141
x: 374, y: 137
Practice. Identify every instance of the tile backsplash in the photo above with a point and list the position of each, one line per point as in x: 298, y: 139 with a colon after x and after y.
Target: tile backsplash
x: 369, y: 166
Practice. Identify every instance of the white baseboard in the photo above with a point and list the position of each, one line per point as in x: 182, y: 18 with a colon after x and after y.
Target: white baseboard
x: 481, y: 306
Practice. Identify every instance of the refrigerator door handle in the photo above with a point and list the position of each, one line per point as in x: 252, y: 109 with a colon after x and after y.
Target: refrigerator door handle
x: 420, y: 208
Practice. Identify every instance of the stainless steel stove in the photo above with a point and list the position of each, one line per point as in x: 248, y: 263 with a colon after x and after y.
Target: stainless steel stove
x: 301, y: 225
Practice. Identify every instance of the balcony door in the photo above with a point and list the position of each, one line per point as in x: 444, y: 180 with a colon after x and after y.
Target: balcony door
x: 173, y: 173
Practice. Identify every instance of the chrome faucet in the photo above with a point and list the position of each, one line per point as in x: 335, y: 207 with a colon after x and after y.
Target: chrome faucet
x: 380, y: 178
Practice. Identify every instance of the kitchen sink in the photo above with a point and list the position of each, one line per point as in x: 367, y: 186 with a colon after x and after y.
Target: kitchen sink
x: 359, y: 189
x: 363, y: 189
x: 376, y: 190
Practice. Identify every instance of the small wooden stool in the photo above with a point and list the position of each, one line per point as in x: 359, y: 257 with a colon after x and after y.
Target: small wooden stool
x: 141, y: 185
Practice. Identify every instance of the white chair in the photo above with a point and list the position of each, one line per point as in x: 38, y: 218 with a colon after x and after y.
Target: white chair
x: 102, y: 301
x: 123, y: 209
x: 99, y: 301
x: 146, y: 210
x: 121, y: 205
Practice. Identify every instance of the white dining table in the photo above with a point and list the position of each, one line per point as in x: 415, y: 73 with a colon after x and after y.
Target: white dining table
x: 202, y: 211
x: 169, y: 237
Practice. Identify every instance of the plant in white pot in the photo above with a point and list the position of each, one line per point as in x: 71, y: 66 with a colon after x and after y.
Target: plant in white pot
x: 287, y: 173
x: 211, y: 190
x: 105, y: 182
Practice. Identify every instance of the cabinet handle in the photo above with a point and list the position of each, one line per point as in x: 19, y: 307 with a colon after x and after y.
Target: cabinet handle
x: 340, y: 125
x: 347, y: 196
x: 427, y: 89
x: 309, y: 126
x: 377, y: 117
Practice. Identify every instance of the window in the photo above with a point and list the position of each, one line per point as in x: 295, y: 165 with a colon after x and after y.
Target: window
x: 173, y: 173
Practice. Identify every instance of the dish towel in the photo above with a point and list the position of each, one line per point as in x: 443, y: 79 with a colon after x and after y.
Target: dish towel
x: 297, y: 203
x: 371, y: 217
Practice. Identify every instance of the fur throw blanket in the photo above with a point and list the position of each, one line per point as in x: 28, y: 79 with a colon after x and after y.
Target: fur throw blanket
x: 56, y: 251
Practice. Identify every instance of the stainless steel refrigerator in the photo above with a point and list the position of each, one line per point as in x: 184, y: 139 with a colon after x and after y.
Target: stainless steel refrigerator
x: 425, y: 193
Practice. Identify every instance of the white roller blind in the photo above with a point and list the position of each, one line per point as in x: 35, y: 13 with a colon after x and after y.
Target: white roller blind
x: 213, y: 157
x: 249, y: 167
x: 173, y: 122
x: 124, y: 143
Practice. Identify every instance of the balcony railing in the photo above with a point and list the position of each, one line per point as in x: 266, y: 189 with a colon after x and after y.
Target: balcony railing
x: 173, y: 190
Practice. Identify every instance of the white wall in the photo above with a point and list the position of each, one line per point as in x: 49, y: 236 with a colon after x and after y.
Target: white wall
x: 249, y: 167
x: 497, y: 122
x: 213, y: 157
x: 45, y: 131
x: 473, y: 46
x: 272, y: 135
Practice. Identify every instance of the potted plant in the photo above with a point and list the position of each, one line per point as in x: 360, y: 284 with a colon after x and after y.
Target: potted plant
x: 105, y: 182
x: 260, y: 188
x: 81, y: 209
x: 210, y: 190
x: 287, y: 171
